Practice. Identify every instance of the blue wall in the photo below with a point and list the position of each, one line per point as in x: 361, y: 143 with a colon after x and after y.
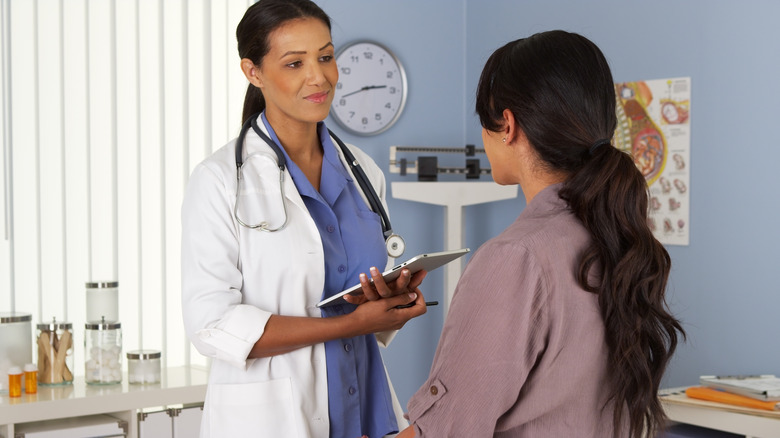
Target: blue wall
x: 724, y: 284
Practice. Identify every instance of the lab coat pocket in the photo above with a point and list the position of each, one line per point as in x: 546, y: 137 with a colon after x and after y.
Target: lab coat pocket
x: 265, y: 210
x: 261, y: 199
x: 253, y: 409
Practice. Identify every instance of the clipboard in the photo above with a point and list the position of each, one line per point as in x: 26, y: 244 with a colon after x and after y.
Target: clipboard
x: 428, y: 261
x: 764, y: 387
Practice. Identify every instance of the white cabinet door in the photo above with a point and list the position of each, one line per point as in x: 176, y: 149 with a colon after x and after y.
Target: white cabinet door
x: 186, y: 421
x: 155, y: 424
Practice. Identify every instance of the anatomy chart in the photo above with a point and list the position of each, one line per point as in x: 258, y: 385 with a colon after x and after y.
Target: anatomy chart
x: 654, y: 127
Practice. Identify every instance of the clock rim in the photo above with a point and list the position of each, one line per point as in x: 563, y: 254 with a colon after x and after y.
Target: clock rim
x: 404, y: 82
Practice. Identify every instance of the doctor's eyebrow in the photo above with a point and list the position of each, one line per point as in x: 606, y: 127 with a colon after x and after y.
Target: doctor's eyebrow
x: 303, y: 52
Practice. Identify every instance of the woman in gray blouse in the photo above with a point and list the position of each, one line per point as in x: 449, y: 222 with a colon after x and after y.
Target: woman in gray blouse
x: 558, y: 326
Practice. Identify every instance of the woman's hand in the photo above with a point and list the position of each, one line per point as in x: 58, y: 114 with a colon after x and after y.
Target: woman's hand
x: 377, y: 288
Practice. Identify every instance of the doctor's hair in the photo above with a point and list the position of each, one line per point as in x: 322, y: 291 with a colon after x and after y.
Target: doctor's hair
x: 559, y: 87
x: 254, y: 29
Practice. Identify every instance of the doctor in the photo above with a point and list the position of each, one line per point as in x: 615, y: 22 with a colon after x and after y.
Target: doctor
x: 256, y: 260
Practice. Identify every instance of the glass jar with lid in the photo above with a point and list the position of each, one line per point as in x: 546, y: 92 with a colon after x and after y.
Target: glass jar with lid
x: 143, y: 366
x: 55, y: 353
x: 103, y: 351
x: 103, y: 301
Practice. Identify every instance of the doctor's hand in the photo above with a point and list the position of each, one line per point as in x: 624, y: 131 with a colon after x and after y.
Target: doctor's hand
x: 376, y: 288
x: 382, y: 315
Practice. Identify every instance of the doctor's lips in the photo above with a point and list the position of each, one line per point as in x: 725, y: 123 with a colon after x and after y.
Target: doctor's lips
x: 317, y: 97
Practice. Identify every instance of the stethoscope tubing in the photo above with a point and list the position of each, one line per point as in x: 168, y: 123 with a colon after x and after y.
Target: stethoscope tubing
x: 357, y: 171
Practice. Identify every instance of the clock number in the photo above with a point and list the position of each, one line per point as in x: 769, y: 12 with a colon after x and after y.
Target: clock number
x: 339, y: 86
x: 364, y: 120
x: 354, y: 59
x: 387, y: 105
x: 342, y: 102
x: 346, y: 70
x: 368, y: 55
x: 351, y: 114
x: 377, y: 117
x: 389, y: 75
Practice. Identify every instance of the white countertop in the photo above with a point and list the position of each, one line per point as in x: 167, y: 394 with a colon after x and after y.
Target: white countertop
x: 179, y: 385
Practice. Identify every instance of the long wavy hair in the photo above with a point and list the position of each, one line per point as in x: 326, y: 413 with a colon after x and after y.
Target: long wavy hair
x: 560, y: 89
x: 254, y: 29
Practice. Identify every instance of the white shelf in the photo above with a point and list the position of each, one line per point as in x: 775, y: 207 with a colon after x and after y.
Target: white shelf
x: 179, y: 385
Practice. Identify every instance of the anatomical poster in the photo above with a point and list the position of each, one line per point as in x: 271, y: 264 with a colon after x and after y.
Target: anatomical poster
x: 654, y: 126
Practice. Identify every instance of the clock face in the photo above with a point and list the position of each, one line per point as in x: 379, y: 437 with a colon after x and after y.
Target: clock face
x: 371, y: 92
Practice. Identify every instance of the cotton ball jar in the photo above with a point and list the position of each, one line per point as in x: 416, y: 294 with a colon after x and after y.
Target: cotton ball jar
x: 103, y: 344
x: 143, y: 366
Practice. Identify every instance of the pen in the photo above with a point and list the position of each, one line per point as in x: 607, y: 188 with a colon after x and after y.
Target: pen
x: 427, y: 303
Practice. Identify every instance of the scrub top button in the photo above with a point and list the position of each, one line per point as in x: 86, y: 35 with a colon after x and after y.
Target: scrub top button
x: 331, y: 228
x: 347, y: 347
x: 434, y: 390
x: 342, y: 269
x: 352, y: 390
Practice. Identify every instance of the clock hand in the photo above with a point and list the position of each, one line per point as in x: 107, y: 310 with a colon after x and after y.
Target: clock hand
x: 367, y: 87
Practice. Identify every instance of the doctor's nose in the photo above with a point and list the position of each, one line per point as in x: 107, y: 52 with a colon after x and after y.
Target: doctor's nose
x: 315, y: 75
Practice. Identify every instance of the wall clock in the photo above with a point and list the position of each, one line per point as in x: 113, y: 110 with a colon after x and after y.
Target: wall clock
x: 371, y: 92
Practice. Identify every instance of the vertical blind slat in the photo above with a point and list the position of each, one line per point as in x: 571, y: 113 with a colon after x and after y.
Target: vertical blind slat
x: 150, y: 43
x: 101, y: 134
x: 162, y: 175
x: 25, y: 237
x: 49, y: 141
x: 112, y: 55
x: 63, y: 168
x: 8, y: 265
x: 185, y: 151
x: 36, y: 140
x: 209, y: 80
x: 75, y: 118
x: 174, y: 23
x: 88, y: 143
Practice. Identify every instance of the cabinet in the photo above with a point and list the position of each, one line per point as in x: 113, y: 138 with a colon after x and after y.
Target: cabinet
x: 179, y: 386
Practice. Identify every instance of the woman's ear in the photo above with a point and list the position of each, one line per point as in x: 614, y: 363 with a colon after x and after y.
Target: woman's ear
x: 510, y: 129
x: 252, y: 72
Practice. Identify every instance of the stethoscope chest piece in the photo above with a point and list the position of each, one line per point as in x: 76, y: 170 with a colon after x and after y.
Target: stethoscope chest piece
x: 395, y: 245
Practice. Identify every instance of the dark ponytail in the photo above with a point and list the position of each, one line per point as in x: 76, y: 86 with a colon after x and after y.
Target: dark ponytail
x: 254, y: 29
x: 254, y: 102
x: 559, y: 87
x: 609, y: 195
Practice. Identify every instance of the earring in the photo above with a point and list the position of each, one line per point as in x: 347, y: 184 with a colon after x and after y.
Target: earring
x: 503, y: 140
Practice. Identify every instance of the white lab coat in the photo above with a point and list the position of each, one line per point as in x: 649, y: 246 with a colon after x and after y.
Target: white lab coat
x: 234, y: 279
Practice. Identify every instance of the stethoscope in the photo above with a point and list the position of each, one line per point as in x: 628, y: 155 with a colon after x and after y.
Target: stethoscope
x: 395, y: 244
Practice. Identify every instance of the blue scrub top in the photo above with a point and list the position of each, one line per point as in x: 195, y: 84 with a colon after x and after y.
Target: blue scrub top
x: 359, y: 401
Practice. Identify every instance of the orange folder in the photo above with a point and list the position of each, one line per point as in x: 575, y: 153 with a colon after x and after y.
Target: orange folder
x: 716, y: 395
